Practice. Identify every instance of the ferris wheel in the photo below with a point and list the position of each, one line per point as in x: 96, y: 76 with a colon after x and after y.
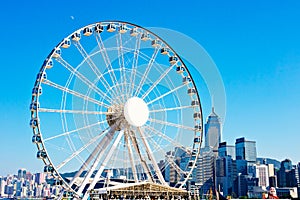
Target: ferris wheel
x: 114, y: 104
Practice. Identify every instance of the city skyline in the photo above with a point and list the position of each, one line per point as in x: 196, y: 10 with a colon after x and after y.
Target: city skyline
x: 254, y: 44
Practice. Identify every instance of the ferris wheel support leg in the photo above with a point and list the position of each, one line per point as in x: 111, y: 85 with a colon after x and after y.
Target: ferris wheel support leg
x: 104, y: 163
x: 143, y: 162
x: 86, y: 163
x: 103, y: 144
x: 151, y: 157
x: 131, y: 158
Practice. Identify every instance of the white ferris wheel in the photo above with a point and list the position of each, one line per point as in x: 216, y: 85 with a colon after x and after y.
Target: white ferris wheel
x: 114, y: 104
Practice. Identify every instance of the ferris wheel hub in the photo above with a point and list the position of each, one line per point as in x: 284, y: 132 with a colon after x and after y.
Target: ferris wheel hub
x: 136, y: 111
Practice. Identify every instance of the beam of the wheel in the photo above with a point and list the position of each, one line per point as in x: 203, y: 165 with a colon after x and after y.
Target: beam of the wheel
x: 170, y: 109
x: 135, y: 63
x: 104, y: 163
x: 149, y: 66
x: 158, y: 80
x: 74, y: 131
x: 165, y: 94
x: 67, y: 90
x: 91, y: 63
x: 106, y: 60
x: 165, y: 137
x: 131, y: 157
x: 103, y: 144
x: 50, y: 110
x: 74, y: 154
x: 143, y: 161
x: 84, y: 79
x: 172, y: 124
x: 151, y: 157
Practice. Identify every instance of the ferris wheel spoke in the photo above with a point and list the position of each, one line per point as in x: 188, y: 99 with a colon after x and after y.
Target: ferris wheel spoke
x: 104, y: 163
x: 170, y: 109
x: 165, y: 94
x: 103, y: 144
x: 165, y: 137
x: 107, y: 61
x: 158, y: 80
x: 172, y: 124
x: 91, y: 63
x: 135, y: 63
x: 151, y: 157
x: 76, y: 153
x: 67, y: 90
x: 74, y: 131
x: 138, y: 151
x: 74, y: 111
x: 147, y: 71
x: 121, y: 63
x: 84, y: 79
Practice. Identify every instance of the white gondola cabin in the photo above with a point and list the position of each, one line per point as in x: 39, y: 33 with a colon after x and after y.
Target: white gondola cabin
x: 122, y: 28
x: 34, y: 106
x: 41, y: 154
x: 36, y: 139
x: 198, y: 128
x: 195, y: 103
x: 76, y: 36
x: 98, y: 28
x: 48, y: 169
x: 56, y: 52
x: 48, y: 63
x: 173, y: 60
x: 186, y: 80
x: 191, y: 91
x: 197, y: 140
x: 87, y: 31
x: 134, y: 32
x: 164, y: 51
x: 111, y: 28
x: 180, y: 69
x: 34, y: 122
x: 42, y: 76
x: 155, y: 43
x: 36, y: 91
x: 145, y: 36
x: 197, y: 115
x: 191, y: 163
x: 66, y: 43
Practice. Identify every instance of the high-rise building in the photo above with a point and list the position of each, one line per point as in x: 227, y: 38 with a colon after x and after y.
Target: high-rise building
x: 286, y: 176
x: 213, y: 131
x: 245, y: 150
x: 206, y: 170
x: 21, y: 173
x: 225, y: 174
x: 226, y: 150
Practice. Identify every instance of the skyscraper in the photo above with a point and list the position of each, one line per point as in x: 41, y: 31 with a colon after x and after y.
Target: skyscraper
x: 245, y: 150
x: 213, y: 131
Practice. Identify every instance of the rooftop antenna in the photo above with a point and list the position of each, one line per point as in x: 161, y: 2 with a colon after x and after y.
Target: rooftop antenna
x: 213, y: 104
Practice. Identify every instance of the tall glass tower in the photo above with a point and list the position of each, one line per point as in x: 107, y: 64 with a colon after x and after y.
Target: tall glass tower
x: 213, y: 131
x: 245, y: 150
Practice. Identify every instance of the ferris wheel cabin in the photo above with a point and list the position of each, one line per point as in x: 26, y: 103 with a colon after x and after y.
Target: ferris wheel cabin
x: 41, y: 154
x: 98, y: 28
x: 134, y: 32
x: 34, y: 123
x: 48, y: 169
x: 122, y: 29
x: 111, y: 28
x: 145, y: 36
x: 66, y: 43
x: 34, y: 106
x: 56, y: 53
x: 36, y: 139
x: 164, y: 51
x: 87, y: 31
x: 76, y: 36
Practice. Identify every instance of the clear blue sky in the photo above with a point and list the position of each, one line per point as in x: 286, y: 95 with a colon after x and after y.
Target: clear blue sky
x: 254, y: 43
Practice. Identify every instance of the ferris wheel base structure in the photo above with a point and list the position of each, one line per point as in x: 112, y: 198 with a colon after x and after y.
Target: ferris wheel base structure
x: 144, y: 190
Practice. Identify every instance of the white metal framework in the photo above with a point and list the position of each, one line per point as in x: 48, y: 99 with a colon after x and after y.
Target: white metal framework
x: 114, y: 104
